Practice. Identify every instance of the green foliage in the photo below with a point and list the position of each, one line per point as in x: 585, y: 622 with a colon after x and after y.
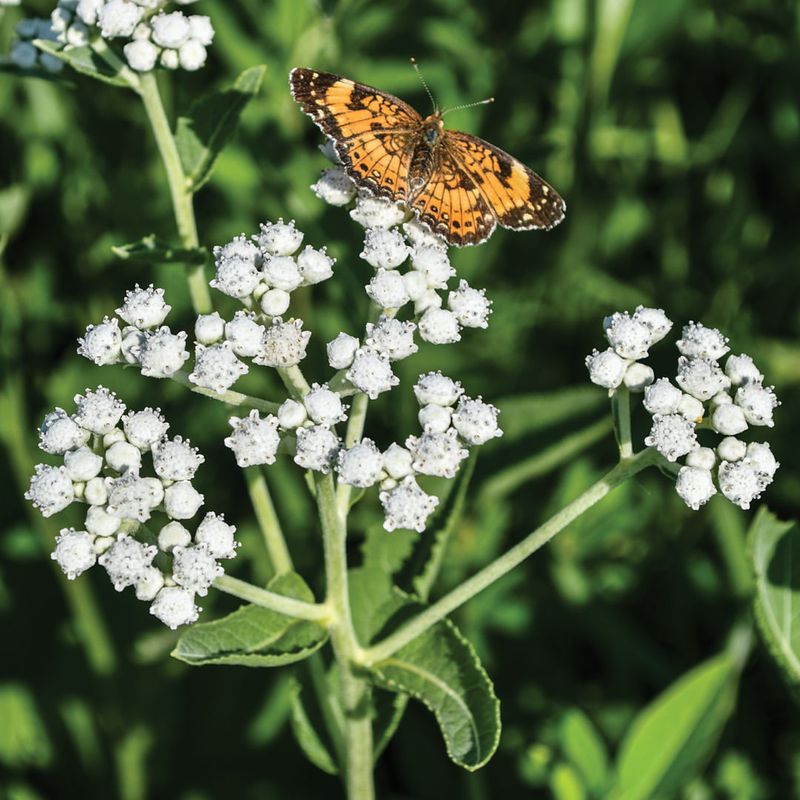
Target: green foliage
x: 87, y: 62
x: 23, y: 739
x: 153, y: 250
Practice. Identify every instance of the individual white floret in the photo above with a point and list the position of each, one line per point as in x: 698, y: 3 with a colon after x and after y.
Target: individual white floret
x: 695, y: 486
x: 470, y: 306
x: 476, y: 421
x: 420, y: 235
x: 429, y: 300
x: 244, y: 334
x: 182, y: 500
x: 238, y: 247
x: 672, y: 435
x: 435, y: 419
x: 439, y: 326
x: 397, y: 461
x: 123, y: 456
x: 113, y: 436
x: 662, y: 397
x: 133, y: 344
x: 209, y: 328
x: 406, y: 506
x: 757, y: 402
x: 282, y: 272
x: 387, y: 289
x: 118, y: 18
x: 656, y: 320
x: 236, y: 277
x: 291, y: 414
x: 141, y: 55
x: 144, y: 428
x: 144, y: 308
x: 275, y: 302
x: 192, y: 55
x: 324, y: 407
x: 698, y: 341
x: 606, y: 368
x: 76, y: 35
x: 315, y: 265
x: 132, y: 497
x: 334, y: 187
x: 82, y: 464
x: 100, y: 523
x: 728, y: 420
x: 392, y: 338
x: 201, y: 29
x: 384, y: 248
x: 371, y: 373
x: 434, y: 264
x: 102, y: 343
x: 638, y: 377
x: 629, y: 337
x: 317, y: 448
x: 279, y: 238
x: 175, y: 607
x: 760, y: 456
x: 254, y: 439
x: 170, y: 30
x: 284, y: 344
x: 88, y: 10
x: 126, y: 560
x: 50, y: 489
x: 433, y: 387
x: 702, y: 458
x: 216, y: 367
x: 375, y: 212
x: 731, y: 449
x: 149, y: 584
x: 217, y: 536
x: 691, y: 408
x: 740, y: 482
x: 176, y: 459
x: 74, y: 552
x: 742, y: 370
x: 95, y: 492
x: 721, y: 399
x: 701, y: 377
x: 172, y: 535
x: 163, y: 353
x: 98, y: 410
x: 416, y: 284
x: 438, y: 454
x: 342, y: 350
x: 195, y: 568
x: 361, y: 465
x: 59, y: 432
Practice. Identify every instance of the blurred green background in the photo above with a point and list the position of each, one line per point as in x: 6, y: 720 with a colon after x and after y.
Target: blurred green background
x: 672, y: 129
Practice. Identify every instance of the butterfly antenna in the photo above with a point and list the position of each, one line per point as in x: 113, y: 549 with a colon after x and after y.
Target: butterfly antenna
x: 469, y: 105
x: 425, y: 85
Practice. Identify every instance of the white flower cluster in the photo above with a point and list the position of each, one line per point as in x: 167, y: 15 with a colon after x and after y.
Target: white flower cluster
x: 725, y: 400
x: 155, y: 38
x: 103, y: 451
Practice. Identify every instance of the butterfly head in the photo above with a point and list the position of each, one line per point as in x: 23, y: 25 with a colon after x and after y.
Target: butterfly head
x: 433, y: 128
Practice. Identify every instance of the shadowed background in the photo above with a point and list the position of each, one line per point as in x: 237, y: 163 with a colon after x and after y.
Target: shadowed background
x: 672, y: 131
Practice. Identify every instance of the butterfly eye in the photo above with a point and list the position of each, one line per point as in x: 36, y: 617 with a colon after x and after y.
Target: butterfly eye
x: 431, y: 135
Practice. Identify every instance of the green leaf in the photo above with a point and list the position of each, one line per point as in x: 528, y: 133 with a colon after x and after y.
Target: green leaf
x: 671, y: 739
x: 154, y: 250
x: 775, y: 553
x: 565, y: 783
x: 254, y: 636
x: 23, y: 738
x: 584, y: 747
x: 86, y: 61
x: 308, y: 725
x: 210, y: 123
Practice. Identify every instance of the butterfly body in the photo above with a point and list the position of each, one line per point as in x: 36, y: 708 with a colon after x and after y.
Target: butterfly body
x: 460, y: 186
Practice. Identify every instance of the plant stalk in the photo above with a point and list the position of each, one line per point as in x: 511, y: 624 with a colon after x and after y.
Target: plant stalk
x: 299, y: 609
x: 268, y: 520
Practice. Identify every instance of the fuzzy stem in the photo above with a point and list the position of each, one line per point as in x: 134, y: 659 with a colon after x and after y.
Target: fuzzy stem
x: 621, y: 408
x: 230, y: 397
x: 295, y: 381
x: 511, y: 558
x: 268, y: 520
x: 299, y: 609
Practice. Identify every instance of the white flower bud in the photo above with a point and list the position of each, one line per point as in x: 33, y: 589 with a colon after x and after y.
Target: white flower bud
x: 317, y: 448
x: 656, y: 320
x: 728, y: 420
x: 144, y: 428
x: 439, y: 326
x: 172, y: 535
x: 275, y: 302
x: 435, y: 419
x: 662, y: 397
x: 324, y: 406
x: 217, y: 536
x: 606, y: 369
x: 244, y: 334
x: 102, y: 343
x: 375, y: 212
x: 112, y: 437
x: 721, y: 399
x: 100, y: 523
x: 384, y: 248
x: 438, y: 454
x: 209, y: 328
x: 195, y: 568
x: 192, y: 55
x: 420, y: 235
x: 476, y: 421
x: 123, y: 456
x: 760, y: 456
x: 254, y: 440
x: 407, y: 506
x: 371, y: 373
x: 239, y: 247
x: 291, y: 414
x: 281, y: 272
x: 149, y: 584
x: 741, y: 370
x: 433, y: 387
x: 216, y: 367
x: 392, y: 338
x: 59, y: 433
x: 691, y: 408
x: 132, y: 497
x: 163, y: 353
x: 430, y: 299
x: 133, y: 343
x: 416, y: 285
x: 170, y: 30
x: 397, y: 461
x: 387, y: 289
x: 236, y: 276
x: 176, y: 459
x: 342, y: 350
x: 279, y: 238
x: 740, y: 482
x: 118, y: 18
x: 201, y: 29
x: 99, y: 410
x: 88, y: 10
x: 701, y: 377
x: 697, y: 341
x: 126, y: 561
x: 284, y: 344
x: 638, y: 377
x: 757, y: 403
x: 50, y: 490
x: 74, y: 552
x: 315, y: 265
x: 434, y: 264
x: 182, y: 500
x: 695, y: 486
x: 731, y: 449
x: 141, y: 55
x: 95, y: 492
x: 630, y: 338
x: 702, y: 458
x: 334, y: 187
x: 672, y: 435
x: 361, y: 465
x: 470, y: 306
x: 174, y: 607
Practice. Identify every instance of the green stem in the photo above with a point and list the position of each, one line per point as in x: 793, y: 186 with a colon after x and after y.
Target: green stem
x: 317, y: 612
x: 621, y: 408
x: 353, y: 434
x: 179, y: 187
x: 230, y: 397
x: 268, y: 520
x: 510, y: 559
x: 295, y: 381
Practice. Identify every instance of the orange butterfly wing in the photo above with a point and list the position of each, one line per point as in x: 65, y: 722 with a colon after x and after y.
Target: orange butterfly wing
x: 373, y: 132
x: 517, y: 196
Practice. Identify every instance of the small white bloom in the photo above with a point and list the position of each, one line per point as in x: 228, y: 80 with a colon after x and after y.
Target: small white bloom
x: 435, y: 419
x: 281, y: 272
x: 324, y: 406
x: 662, y: 397
x: 728, y: 420
x: 656, y: 320
x: 123, y: 456
x: 192, y: 55
x: 195, y: 568
x: 254, y: 439
x: 672, y: 435
x: 141, y: 55
x: 731, y: 449
x: 98, y: 410
x: 470, y: 306
x: 170, y: 59
x: 149, y: 584
x: 420, y: 235
x: 757, y: 403
x: 721, y: 399
x: 284, y: 344
x: 217, y: 536
x: 117, y: 18
x: 163, y: 353
x: 238, y: 247
x: 113, y: 436
x: 342, y: 350
x: 742, y: 370
x: 760, y: 456
x: 182, y: 500
x: 606, y: 368
x: 387, y: 289
x: 698, y: 341
x: 275, y: 302
x: 397, y: 461
x: 133, y: 344
x: 701, y: 377
x: 95, y: 492
x: 691, y: 408
x: 100, y: 523
x: 59, y: 432
x: 102, y: 343
x: 132, y: 497
x: 143, y: 31
x: 88, y: 10
x: 77, y: 35
x: 176, y: 459
x: 433, y: 387
x: 638, y: 376
x: 315, y: 265
x: 695, y: 486
x: 416, y: 284
x: 430, y: 299
x: 361, y: 465
x: 317, y: 448
x: 392, y: 338
x: 375, y: 212
x: 170, y: 30
x: 144, y: 428
x: 629, y: 337
x: 279, y: 238
x: 439, y: 326
x: 216, y: 367
x: 371, y: 373
x: 476, y: 421
x: 437, y: 454
x: 740, y: 482
x: 209, y: 328
x: 172, y: 535
x: 174, y: 607
x: 236, y: 276
x: 50, y: 490
x: 201, y: 29
x: 702, y: 458
x: 291, y: 414
x: 126, y: 560
x: 407, y: 506
x: 74, y: 552
x: 434, y: 264
x: 334, y: 187
x: 384, y: 248
x: 244, y: 334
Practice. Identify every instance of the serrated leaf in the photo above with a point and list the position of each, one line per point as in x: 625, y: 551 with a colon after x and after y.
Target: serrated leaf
x: 154, y: 250
x: 210, y: 123
x: 254, y: 636
x: 86, y: 61
x: 775, y: 553
x: 671, y: 739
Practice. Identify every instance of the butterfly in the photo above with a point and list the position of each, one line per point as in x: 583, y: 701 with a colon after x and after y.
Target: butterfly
x: 458, y: 185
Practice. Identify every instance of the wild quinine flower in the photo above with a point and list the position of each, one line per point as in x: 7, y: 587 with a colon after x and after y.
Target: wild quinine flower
x: 704, y: 398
